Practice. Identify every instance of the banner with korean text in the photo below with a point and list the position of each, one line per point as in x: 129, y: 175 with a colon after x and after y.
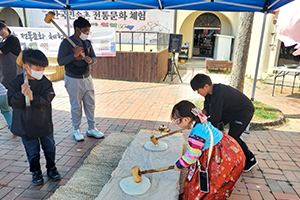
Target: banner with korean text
x: 48, y: 40
x: 123, y: 20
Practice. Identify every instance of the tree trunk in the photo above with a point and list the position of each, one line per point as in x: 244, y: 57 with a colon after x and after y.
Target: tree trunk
x: 241, y: 51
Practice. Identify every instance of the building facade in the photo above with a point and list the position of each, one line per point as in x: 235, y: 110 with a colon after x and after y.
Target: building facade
x: 213, y: 35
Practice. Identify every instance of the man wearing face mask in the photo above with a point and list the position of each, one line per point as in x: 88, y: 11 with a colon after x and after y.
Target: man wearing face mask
x: 78, y: 80
x: 9, y: 50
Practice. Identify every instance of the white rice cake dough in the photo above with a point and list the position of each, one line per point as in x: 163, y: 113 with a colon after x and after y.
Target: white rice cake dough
x: 161, y: 146
x: 132, y: 188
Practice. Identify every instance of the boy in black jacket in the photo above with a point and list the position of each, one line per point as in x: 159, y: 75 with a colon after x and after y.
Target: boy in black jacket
x: 34, y: 123
x: 224, y: 104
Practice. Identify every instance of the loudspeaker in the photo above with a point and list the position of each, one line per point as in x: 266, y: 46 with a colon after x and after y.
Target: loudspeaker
x: 175, y: 43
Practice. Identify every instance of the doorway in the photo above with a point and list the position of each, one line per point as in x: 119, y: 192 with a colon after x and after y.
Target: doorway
x: 204, y: 42
x: 205, y: 28
x: 10, y: 17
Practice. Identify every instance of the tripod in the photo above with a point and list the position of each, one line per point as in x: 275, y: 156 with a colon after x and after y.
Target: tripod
x: 173, y: 67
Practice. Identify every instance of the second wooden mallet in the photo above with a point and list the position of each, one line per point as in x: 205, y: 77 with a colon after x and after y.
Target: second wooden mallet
x: 49, y: 18
x: 137, y: 173
x: 20, y: 63
x: 155, y: 139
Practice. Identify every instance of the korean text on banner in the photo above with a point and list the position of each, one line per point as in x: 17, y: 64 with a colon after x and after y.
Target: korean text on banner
x: 48, y: 40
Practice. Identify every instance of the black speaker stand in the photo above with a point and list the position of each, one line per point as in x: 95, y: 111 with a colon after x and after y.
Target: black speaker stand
x: 173, y: 67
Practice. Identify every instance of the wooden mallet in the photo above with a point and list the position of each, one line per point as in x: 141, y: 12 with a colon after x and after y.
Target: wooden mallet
x: 137, y: 174
x: 155, y: 139
x: 49, y: 18
x: 20, y: 63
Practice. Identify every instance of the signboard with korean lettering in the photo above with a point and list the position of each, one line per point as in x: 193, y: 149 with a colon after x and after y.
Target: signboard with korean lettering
x: 48, y: 40
x: 123, y: 20
x: 104, y: 41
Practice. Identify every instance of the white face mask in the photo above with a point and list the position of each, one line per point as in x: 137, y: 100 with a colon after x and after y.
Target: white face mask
x: 36, y: 74
x: 83, y: 36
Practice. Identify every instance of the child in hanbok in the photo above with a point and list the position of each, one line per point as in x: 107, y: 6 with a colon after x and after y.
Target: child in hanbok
x: 215, y: 159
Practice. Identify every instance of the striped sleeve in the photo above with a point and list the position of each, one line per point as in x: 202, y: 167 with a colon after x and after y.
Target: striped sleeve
x: 193, y: 152
x: 3, y: 90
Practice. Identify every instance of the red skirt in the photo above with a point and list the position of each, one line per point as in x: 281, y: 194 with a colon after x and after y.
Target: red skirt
x: 225, y: 167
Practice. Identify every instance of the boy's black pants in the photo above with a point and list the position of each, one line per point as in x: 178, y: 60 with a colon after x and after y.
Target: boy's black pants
x: 238, y: 123
x: 32, y: 148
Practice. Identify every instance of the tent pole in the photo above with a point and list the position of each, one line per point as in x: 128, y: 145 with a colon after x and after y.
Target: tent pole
x: 68, y: 18
x: 258, y: 55
x: 257, y: 63
x: 68, y: 22
x: 175, y: 21
x: 25, y: 17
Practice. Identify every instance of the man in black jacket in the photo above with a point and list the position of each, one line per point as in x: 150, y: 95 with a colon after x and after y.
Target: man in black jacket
x: 34, y: 123
x: 9, y: 50
x: 224, y: 104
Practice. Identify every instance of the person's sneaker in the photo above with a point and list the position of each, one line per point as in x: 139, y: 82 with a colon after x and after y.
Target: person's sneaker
x: 250, y: 164
x: 94, y: 133
x: 77, y: 135
x: 53, y: 174
x: 37, y: 178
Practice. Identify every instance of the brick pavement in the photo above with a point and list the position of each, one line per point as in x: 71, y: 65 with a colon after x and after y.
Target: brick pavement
x: 127, y: 107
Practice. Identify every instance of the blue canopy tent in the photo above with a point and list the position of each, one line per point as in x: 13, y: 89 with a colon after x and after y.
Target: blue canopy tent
x: 204, y: 5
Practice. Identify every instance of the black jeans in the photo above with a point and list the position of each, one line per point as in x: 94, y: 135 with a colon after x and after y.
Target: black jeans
x: 32, y: 148
x: 238, y: 123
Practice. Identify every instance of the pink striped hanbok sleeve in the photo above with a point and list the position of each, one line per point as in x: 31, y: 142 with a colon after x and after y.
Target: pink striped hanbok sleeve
x: 193, y: 152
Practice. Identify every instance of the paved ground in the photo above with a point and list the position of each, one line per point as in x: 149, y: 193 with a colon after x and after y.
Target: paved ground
x: 128, y: 107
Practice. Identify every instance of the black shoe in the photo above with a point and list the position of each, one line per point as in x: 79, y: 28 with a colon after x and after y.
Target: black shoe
x: 180, y: 197
x: 250, y: 164
x: 37, y: 178
x: 53, y: 174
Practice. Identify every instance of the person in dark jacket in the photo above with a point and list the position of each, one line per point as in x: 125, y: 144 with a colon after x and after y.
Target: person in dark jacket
x: 78, y: 81
x: 9, y: 50
x: 34, y: 124
x: 226, y: 105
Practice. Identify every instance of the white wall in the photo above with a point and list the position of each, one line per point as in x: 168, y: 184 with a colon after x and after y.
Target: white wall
x: 11, y: 19
x: 268, y: 53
